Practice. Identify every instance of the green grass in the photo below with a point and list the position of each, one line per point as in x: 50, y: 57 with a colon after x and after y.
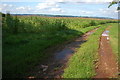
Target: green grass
x: 25, y: 43
x: 114, y: 38
x: 23, y: 51
x: 81, y: 64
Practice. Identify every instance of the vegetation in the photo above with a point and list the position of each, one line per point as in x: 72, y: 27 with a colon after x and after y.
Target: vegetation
x: 25, y: 39
x: 82, y: 63
x: 114, y: 38
x: 115, y: 2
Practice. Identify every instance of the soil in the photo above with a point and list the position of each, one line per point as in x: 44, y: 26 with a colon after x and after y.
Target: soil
x: 54, y: 66
x: 107, y: 66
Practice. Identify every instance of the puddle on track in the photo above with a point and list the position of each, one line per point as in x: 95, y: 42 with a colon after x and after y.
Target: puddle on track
x: 69, y: 49
x: 105, y: 33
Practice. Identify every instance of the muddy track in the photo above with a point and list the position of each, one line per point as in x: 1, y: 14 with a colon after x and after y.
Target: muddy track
x: 107, y: 66
x: 54, y: 66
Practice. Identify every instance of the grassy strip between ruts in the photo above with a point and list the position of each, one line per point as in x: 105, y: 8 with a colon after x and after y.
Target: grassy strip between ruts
x: 81, y: 64
x: 114, y: 38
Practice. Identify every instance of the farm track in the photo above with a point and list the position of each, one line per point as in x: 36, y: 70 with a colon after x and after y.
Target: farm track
x: 54, y: 66
x: 107, y: 66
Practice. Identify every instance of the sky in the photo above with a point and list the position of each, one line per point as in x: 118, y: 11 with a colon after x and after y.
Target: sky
x: 97, y: 8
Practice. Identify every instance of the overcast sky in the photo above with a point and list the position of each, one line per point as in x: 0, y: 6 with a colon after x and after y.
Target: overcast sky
x: 97, y: 8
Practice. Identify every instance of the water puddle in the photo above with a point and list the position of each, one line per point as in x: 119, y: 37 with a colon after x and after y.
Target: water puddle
x: 69, y: 49
x: 105, y: 33
x: 63, y: 54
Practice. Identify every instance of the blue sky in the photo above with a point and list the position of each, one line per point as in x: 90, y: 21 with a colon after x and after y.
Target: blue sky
x: 97, y: 8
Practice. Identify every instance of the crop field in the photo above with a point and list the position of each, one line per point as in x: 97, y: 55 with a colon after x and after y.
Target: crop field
x: 26, y: 39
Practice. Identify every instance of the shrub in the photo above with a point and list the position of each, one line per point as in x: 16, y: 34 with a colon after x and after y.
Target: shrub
x: 92, y: 23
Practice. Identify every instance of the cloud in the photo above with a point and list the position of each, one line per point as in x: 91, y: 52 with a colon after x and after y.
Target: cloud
x: 55, y: 9
x: 79, y: 1
x: 46, y: 5
x: 86, y: 12
x: 87, y: 1
x: 32, y: 0
x: 108, y: 12
x: 101, y: 12
x: 23, y: 9
x: 6, y: 7
x: 14, y: 9
x: 20, y: 8
x: 61, y: 1
x: 39, y: 8
x: 49, y: 7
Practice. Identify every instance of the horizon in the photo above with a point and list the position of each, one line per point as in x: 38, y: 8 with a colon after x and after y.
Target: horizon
x: 54, y: 15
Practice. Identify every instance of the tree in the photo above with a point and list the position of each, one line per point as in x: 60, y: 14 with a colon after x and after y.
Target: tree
x: 12, y: 23
x: 16, y: 23
x: 115, y: 2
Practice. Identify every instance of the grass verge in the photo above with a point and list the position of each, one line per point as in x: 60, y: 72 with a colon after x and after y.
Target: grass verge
x: 114, y: 38
x: 81, y: 64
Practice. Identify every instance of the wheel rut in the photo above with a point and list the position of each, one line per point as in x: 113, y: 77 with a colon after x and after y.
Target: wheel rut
x: 107, y: 66
x: 54, y: 67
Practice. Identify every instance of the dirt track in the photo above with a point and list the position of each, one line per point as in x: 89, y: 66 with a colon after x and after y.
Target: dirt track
x: 107, y: 66
x: 54, y: 67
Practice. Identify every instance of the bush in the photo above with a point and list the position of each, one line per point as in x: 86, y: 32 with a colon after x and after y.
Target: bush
x: 12, y: 23
x: 93, y: 23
